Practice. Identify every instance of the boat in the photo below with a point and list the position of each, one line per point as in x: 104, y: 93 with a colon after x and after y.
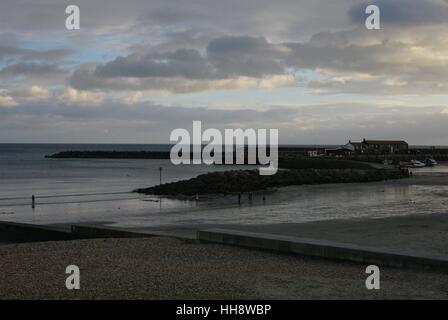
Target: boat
x: 430, y: 162
x: 412, y: 164
x: 416, y: 164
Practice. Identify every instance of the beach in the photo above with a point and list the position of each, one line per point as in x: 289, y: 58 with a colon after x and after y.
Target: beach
x: 169, y: 268
x: 164, y: 268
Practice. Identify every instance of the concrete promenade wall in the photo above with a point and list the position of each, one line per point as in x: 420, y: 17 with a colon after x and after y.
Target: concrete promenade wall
x: 324, y: 249
x: 22, y: 232
x: 89, y: 231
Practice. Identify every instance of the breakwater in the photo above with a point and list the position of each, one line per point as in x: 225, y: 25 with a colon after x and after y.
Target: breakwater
x: 238, y: 181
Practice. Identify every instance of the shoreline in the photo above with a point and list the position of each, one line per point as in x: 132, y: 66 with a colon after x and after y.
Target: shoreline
x: 314, y: 203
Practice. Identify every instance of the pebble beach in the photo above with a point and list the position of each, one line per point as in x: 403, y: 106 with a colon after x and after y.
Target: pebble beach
x: 165, y: 268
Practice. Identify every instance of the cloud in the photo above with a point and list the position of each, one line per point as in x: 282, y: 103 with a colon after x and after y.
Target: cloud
x: 32, y: 93
x: 39, y: 93
x: 185, y: 63
x: 228, y: 63
x: 353, y: 61
x: 6, y: 51
x: 7, y: 101
x: 87, y: 80
x: 246, y: 56
x: 148, y: 122
x: 130, y: 53
x: 30, y: 69
x: 197, y: 47
x: 133, y: 97
x: 225, y: 57
x: 360, y: 61
x: 83, y: 98
x: 25, y: 54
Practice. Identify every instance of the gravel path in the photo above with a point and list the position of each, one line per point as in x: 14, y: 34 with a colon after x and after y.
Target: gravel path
x: 164, y: 268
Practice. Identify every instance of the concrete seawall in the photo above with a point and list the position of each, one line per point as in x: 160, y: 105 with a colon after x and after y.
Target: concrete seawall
x: 323, y: 249
x: 11, y: 232
x: 89, y: 231
x: 22, y: 232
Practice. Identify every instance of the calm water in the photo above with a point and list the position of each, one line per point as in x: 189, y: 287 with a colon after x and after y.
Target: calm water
x: 69, y: 190
x: 25, y: 171
x: 99, y: 191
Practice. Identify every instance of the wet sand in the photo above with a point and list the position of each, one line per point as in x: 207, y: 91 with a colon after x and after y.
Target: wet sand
x: 164, y: 268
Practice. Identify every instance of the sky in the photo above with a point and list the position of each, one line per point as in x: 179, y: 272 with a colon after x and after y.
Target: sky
x: 138, y: 69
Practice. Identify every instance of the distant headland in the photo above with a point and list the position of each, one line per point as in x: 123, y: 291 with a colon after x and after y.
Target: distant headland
x: 110, y: 155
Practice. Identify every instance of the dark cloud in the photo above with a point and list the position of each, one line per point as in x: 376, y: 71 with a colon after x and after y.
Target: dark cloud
x: 19, y: 53
x: 185, y: 63
x: 31, y: 69
x: 260, y: 17
x: 355, y: 60
x: 244, y: 55
x: 6, y: 51
x: 173, y: 41
x: 48, y: 55
x: 225, y: 57
x: 85, y: 78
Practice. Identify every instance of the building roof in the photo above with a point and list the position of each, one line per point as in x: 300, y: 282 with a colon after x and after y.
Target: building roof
x: 385, y: 142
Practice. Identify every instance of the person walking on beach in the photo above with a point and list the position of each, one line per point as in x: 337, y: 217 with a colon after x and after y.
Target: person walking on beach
x: 33, y: 201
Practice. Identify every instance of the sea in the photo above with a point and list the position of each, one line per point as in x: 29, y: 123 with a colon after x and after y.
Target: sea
x: 100, y: 191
